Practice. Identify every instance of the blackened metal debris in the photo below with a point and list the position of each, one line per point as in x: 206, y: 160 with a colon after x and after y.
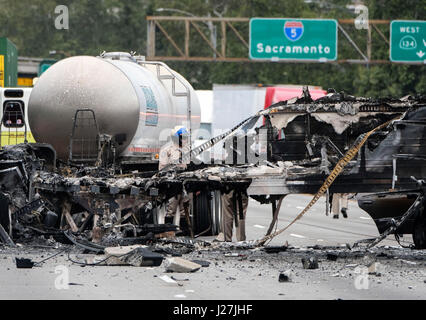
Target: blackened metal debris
x: 310, y: 263
x: 95, y: 207
x: 24, y: 263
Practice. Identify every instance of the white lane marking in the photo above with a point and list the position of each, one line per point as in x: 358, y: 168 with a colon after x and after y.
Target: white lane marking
x: 320, y: 240
x: 297, y: 235
x: 365, y: 218
x: 259, y: 226
x: 180, y: 296
x: 301, y: 208
x: 189, y: 290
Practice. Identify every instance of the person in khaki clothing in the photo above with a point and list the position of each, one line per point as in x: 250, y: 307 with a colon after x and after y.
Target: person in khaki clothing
x: 230, y: 213
x: 171, y: 153
x: 339, y: 199
x: 234, y: 201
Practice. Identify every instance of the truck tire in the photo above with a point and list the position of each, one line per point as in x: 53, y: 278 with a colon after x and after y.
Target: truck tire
x: 203, y: 221
x: 216, y: 212
x: 419, y: 232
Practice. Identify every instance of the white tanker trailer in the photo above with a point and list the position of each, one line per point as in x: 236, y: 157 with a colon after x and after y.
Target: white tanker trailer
x: 133, y: 101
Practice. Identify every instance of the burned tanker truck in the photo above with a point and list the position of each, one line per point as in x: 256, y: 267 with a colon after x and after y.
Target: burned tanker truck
x: 92, y: 177
x: 82, y: 104
x: 97, y: 118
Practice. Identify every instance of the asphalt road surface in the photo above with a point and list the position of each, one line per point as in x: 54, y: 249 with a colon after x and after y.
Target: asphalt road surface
x: 249, y: 274
x: 314, y: 227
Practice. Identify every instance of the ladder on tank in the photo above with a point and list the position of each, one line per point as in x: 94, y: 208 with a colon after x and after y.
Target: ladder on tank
x: 84, y: 141
x: 171, y: 76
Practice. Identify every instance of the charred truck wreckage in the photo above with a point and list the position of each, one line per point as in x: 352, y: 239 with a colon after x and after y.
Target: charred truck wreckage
x: 335, y: 144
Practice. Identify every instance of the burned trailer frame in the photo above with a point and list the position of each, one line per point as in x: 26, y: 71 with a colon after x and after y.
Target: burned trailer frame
x: 94, y: 201
x: 96, y: 207
x: 306, y: 139
x: 311, y: 136
x: 107, y: 207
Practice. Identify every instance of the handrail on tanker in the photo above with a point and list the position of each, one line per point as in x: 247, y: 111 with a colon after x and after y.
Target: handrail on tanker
x: 186, y: 94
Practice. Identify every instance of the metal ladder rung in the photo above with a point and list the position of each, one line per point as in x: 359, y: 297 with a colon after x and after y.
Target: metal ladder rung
x: 180, y: 94
x: 166, y: 77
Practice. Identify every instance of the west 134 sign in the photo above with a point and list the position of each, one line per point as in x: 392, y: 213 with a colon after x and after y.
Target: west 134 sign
x: 293, y: 39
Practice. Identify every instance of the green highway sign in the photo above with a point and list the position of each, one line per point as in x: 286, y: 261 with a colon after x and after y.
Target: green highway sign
x: 293, y: 39
x: 408, y: 41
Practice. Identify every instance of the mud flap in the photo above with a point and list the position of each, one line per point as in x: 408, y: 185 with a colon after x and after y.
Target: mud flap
x: 419, y: 232
x: 4, y: 213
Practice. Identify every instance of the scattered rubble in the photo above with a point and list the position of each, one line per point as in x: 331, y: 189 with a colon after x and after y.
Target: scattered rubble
x: 177, y: 264
x: 5, y: 237
x: 168, y: 280
x: 202, y: 263
x: 142, y: 257
x: 275, y: 249
x: 408, y: 262
x: 176, y: 279
x: 117, y: 255
x: 232, y: 254
x: 374, y: 269
x: 284, y: 276
x: 23, y: 263
x: 332, y: 256
x: 310, y: 263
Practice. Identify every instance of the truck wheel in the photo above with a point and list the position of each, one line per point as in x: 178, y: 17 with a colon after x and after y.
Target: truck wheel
x: 203, y: 222
x: 419, y: 232
x: 216, y: 201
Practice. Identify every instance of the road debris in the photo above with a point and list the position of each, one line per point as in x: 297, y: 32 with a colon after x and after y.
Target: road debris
x: 332, y: 256
x: 202, y: 263
x: 176, y: 279
x: 284, y: 276
x: 168, y: 280
x: 177, y: 264
x: 275, y: 249
x: 408, y: 262
x: 142, y: 257
x: 117, y: 255
x: 374, y: 269
x: 5, y: 237
x: 310, y: 263
x: 232, y: 254
x: 23, y: 263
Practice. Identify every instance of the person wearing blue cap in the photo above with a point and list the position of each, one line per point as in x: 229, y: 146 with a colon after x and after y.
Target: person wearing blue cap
x: 171, y: 153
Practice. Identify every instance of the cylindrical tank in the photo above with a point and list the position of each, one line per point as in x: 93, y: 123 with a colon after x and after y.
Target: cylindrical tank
x: 136, y: 101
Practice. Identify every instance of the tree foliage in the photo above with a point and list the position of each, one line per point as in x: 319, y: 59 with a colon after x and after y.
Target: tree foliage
x: 113, y: 25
